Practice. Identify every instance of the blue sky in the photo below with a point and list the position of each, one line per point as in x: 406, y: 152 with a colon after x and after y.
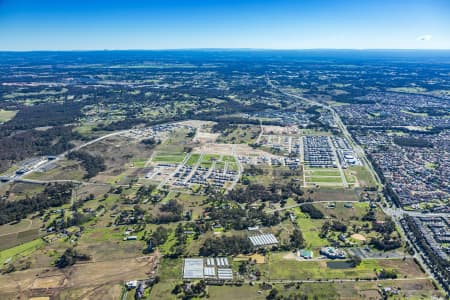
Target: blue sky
x: 272, y: 24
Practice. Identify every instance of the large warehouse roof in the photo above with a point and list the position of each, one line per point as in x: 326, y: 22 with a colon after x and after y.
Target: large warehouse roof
x: 263, y: 240
x: 193, y: 268
x: 208, y: 268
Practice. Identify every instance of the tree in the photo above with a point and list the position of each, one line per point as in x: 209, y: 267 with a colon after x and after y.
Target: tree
x: 387, y: 274
x: 312, y: 211
x: 355, y: 260
x: 296, y: 238
x: 53, y: 195
x: 159, y: 236
x: 70, y: 257
x: 226, y: 245
x: 272, y: 295
x: 91, y: 163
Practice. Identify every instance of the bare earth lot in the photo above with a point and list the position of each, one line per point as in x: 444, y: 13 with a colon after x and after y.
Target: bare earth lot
x: 89, y: 276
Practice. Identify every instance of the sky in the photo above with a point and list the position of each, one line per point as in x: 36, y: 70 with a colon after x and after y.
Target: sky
x: 180, y: 24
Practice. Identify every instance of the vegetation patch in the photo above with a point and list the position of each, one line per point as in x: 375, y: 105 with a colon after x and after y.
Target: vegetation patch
x: 21, y: 250
x: 6, y: 115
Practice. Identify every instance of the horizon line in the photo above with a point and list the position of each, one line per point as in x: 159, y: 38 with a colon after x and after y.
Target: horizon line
x: 229, y: 49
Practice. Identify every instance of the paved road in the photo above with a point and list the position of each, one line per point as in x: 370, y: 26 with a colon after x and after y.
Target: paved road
x: 341, y: 171
x: 41, y: 165
x: 60, y: 181
x: 177, y: 170
x: 280, y: 281
x: 258, y: 140
x: 300, y: 204
x: 395, y: 213
x: 240, y: 169
x: 194, y: 168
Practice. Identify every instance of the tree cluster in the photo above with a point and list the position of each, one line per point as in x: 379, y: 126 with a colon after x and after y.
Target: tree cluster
x: 386, y: 243
x: 93, y: 164
x: 312, y: 211
x: 226, y: 245
x: 70, y: 257
x: 172, y: 211
x: 274, y: 193
x: 53, y: 195
x: 23, y: 144
x: 239, y: 219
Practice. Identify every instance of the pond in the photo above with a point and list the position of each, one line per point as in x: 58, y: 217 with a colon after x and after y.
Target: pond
x: 339, y: 264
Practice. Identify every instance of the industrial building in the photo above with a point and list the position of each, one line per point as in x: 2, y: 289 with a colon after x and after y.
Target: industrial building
x: 211, y: 268
x: 263, y: 240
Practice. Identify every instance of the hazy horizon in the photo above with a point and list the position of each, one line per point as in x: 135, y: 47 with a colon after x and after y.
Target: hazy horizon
x: 239, y: 49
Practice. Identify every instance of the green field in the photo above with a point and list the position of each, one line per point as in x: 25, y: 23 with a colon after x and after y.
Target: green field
x: 349, y: 177
x: 232, y: 166
x: 210, y: 157
x: 219, y: 165
x: 170, y: 274
x: 139, y: 163
x: 22, y: 250
x: 363, y: 175
x: 169, y: 157
x: 229, y: 158
x: 171, y: 240
x: 232, y: 292
x: 324, y: 179
x: 322, y: 172
x: 310, y: 229
x: 280, y: 268
x: 193, y: 159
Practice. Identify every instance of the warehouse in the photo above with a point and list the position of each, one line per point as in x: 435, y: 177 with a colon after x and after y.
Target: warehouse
x: 263, y: 240
x: 209, y: 268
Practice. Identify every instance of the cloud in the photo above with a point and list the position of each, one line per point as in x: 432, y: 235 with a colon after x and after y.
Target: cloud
x: 426, y: 37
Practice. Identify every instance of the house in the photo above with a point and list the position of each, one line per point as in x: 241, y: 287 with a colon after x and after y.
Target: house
x: 308, y: 254
x: 253, y: 228
x: 130, y: 238
x: 332, y: 252
x: 292, y: 217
